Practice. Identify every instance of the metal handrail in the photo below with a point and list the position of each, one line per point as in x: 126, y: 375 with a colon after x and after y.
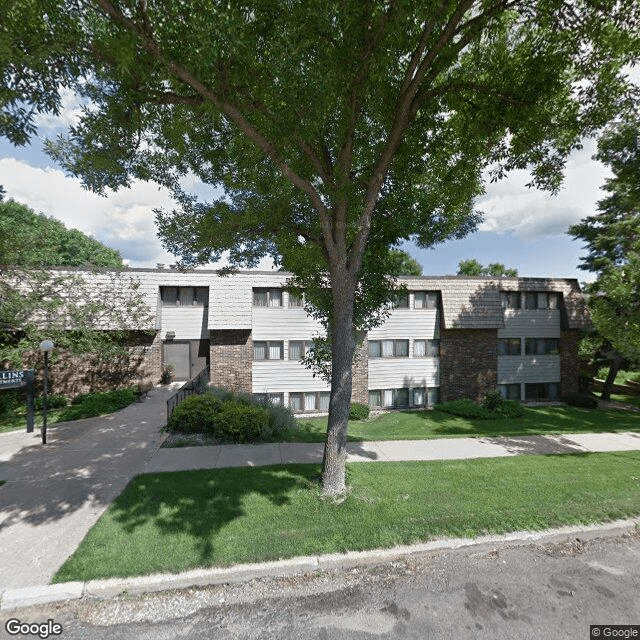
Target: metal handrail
x: 190, y: 388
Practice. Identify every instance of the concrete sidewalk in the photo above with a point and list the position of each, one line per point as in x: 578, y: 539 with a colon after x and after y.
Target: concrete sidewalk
x: 256, y: 455
x: 55, y: 493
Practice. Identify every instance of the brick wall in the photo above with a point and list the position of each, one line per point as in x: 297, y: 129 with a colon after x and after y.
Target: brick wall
x: 360, y: 388
x: 468, y: 363
x: 569, y: 361
x: 231, y: 353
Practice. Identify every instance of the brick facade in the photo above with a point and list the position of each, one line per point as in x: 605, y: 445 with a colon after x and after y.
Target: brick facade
x: 360, y: 388
x: 468, y: 363
x: 231, y: 358
x: 569, y: 361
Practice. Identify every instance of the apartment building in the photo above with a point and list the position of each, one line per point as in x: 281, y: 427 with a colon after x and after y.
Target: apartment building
x: 448, y: 337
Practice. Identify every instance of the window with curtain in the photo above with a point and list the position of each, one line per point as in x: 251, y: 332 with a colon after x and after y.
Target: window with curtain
x: 387, y: 348
x: 323, y: 401
x: 419, y: 396
x: 309, y: 401
x: 295, y: 402
x: 419, y: 348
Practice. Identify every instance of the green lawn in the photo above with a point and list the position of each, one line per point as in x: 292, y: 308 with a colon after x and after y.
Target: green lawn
x: 421, y: 425
x: 18, y: 419
x: 178, y: 521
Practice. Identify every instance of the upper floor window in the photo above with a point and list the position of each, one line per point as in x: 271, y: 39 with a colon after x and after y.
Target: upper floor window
x: 540, y: 300
x: 510, y: 299
x: 426, y: 348
x: 541, y: 346
x: 509, y: 347
x: 298, y: 349
x: 388, y: 348
x: 263, y: 350
x: 425, y: 300
x: 184, y: 296
x: 295, y: 301
x: 263, y: 297
x: 401, y: 301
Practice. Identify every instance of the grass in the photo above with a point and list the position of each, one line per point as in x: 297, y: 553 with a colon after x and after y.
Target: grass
x: 621, y: 376
x: 427, y: 424
x: 179, y: 521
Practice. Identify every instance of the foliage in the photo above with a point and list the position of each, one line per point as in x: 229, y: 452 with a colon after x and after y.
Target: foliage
x: 472, y: 267
x: 89, y: 405
x: 358, y: 411
x: 29, y: 239
x: 10, y: 400
x: 230, y: 417
x: 334, y: 131
x: 405, y: 264
x: 491, y: 408
x: 166, y: 377
x: 613, y: 243
x: 583, y: 400
x: 54, y: 401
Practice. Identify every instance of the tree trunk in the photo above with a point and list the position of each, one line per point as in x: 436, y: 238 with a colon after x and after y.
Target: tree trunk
x: 614, y: 367
x: 342, y: 348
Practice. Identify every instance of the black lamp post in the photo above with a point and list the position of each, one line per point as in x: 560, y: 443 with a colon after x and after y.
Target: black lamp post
x: 46, y: 346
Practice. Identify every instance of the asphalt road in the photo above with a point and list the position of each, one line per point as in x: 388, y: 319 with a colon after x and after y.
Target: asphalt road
x: 510, y: 592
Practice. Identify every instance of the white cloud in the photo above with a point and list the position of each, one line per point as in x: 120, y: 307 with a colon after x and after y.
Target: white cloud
x: 70, y: 111
x: 124, y: 220
x: 510, y: 207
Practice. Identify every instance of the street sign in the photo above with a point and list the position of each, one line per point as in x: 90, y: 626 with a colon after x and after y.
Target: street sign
x: 10, y: 379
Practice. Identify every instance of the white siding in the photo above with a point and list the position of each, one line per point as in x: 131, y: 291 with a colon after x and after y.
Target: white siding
x: 284, y: 375
x: 230, y: 302
x: 404, y: 372
x: 530, y: 323
x: 282, y: 323
x: 528, y: 369
x: 189, y: 323
x: 408, y: 323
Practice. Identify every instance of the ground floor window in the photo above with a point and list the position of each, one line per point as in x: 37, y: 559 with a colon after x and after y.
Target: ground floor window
x: 404, y: 397
x: 301, y: 401
x: 541, y: 391
x: 510, y: 391
x: 273, y: 398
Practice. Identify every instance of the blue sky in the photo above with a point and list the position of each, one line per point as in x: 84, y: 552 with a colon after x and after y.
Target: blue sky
x: 522, y: 228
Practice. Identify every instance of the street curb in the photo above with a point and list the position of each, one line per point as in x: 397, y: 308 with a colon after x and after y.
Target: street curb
x: 103, y: 589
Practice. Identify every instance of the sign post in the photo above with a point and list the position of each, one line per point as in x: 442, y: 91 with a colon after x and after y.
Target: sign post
x: 18, y: 380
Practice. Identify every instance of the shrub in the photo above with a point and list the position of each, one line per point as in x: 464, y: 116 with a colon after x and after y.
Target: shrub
x: 241, y: 423
x: 10, y: 400
x: 280, y: 418
x: 466, y: 408
x: 493, y: 400
x: 195, y: 414
x: 88, y: 405
x: 581, y: 400
x: 358, y: 411
x: 54, y: 401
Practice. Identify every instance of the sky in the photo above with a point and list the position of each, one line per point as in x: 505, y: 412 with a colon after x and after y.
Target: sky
x: 522, y: 228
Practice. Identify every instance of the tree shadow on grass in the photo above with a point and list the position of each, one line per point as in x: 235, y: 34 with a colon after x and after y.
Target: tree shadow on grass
x: 190, y: 508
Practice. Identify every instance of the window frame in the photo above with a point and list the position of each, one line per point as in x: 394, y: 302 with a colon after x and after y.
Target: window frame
x: 269, y: 291
x: 508, y: 300
x: 513, y: 346
x: 318, y: 395
x: 430, y: 300
x: 179, y: 291
x: 380, y: 343
x: 305, y: 347
x: 267, y: 344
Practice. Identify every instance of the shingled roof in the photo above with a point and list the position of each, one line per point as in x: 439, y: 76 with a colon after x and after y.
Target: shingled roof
x: 473, y: 302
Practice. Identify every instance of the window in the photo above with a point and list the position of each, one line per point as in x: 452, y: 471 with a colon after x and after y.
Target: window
x: 309, y: 401
x: 393, y: 398
x: 510, y: 299
x: 184, y: 296
x: 388, y: 348
x: 534, y: 391
x: 298, y: 349
x: 263, y: 350
x: 401, y: 301
x: 425, y: 300
x: 295, y: 301
x: 509, y: 347
x: 540, y: 300
x: 267, y: 297
x: 419, y: 397
x: 273, y: 398
x: 541, y: 346
x: 433, y: 395
x: 374, y: 398
x: 426, y: 348
x: 510, y: 391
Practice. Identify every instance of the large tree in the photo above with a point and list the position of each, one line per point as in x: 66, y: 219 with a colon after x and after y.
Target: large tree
x: 612, y: 241
x: 35, y: 240
x: 472, y: 267
x: 336, y: 130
